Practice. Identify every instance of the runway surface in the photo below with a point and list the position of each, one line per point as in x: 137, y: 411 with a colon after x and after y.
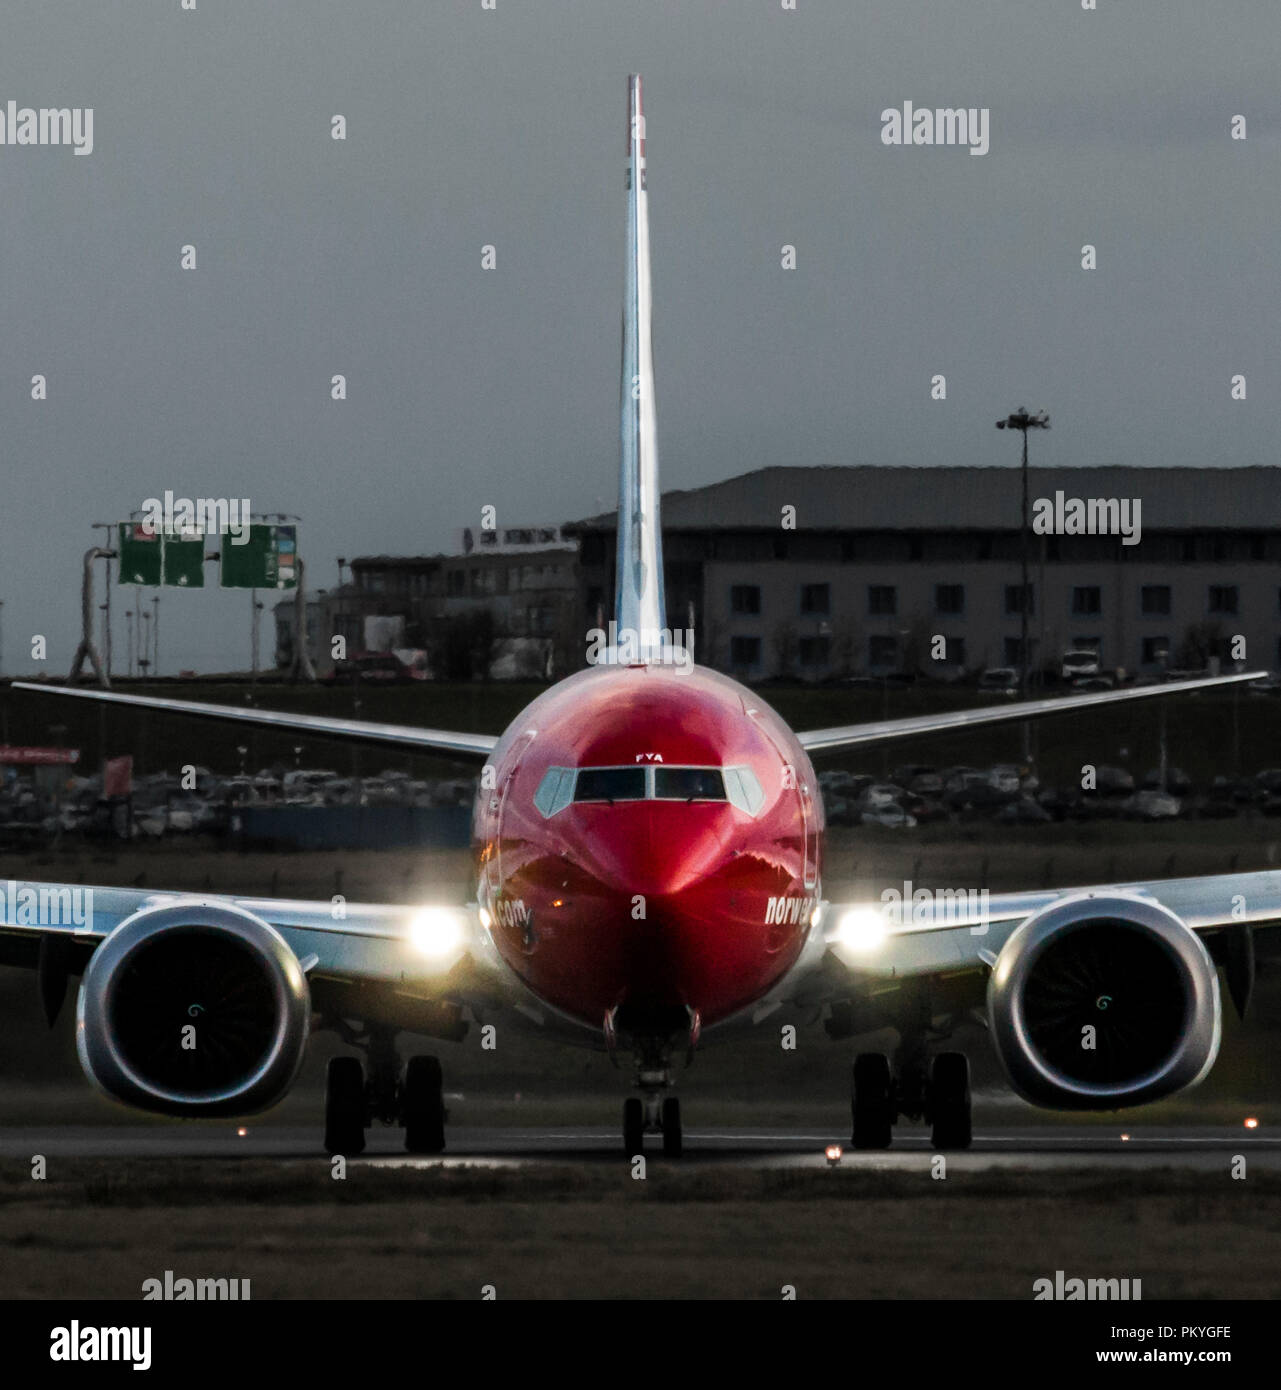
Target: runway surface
x: 1022, y: 1148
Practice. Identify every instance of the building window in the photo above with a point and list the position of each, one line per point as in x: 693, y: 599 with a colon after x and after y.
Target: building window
x: 949, y: 598
x: 1154, y: 600
x: 1014, y: 651
x: 815, y: 651
x: 1087, y: 599
x: 1014, y: 599
x: 953, y: 652
x: 1223, y: 598
x: 745, y: 598
x: 744, y: 652
x: 1155, y: 650
x: 816, y: 598
x: 882, y: 600
x: 882, y: 652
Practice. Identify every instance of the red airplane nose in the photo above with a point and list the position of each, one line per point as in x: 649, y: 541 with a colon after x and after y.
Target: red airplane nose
x: 653, y: 849
x: 674, y: 909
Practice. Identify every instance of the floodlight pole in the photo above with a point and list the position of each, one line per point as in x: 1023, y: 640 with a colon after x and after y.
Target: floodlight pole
x: 253, y: 632
x: 301, y: 668
x: 1023, y: 422
x: 107, y: 527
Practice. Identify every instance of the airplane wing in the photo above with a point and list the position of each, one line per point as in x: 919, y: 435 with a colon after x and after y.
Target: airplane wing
x: 415, y: 967
x: 886, y: 730
x: 400, y: 736
x: 957, y: 937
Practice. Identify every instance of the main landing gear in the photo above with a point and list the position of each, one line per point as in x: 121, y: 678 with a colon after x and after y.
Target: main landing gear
x: 413, y: 1098
x: 937, y: 1090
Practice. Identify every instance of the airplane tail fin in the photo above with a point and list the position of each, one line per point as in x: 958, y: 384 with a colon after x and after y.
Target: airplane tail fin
x: 639, y: 604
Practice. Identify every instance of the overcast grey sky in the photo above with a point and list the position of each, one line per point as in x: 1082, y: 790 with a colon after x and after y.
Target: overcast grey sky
x: 469, y: 387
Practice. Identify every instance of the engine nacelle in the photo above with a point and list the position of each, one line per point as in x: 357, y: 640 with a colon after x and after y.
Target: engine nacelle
x: 193, y: 1009
x: 1096, y: 1003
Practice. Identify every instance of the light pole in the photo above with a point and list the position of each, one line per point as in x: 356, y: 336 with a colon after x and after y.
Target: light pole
x: 1022, y: 421
x: 107, y: 527
x: 129, y: 637
x: 155, y: 636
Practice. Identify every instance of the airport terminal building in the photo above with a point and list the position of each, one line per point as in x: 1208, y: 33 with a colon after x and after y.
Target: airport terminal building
x: 819, y: 572
x: 825, y: 572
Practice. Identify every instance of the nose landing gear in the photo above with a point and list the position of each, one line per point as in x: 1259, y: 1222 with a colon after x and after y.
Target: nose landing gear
x: 652, y: 1112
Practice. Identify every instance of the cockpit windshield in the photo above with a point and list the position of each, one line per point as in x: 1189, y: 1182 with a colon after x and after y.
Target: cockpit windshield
x: 610, y: 784
x: 561, y: 786
x: 689, y: 784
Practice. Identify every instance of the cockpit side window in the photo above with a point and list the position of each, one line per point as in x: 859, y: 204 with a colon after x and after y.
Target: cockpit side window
x: 689, y: 784
x: 555, y: 791
x: 743, y: 789
x: 610, y: 784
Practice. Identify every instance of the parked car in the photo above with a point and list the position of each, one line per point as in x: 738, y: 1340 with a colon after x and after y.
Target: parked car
x: 1151, y: 805
x: 1023, y: 811
x: 1077, y: 662
x: 1113, y: 781
x: 1176, y: 780
x: 1004, y: 777
x: 880, y: 794
x: 892, y: 816
x: 999, y: 680
x: 375, y: 668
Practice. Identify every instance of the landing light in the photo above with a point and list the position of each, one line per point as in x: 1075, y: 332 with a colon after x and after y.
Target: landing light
x: 862, y: 929
x: 486, y: 920
x: 434, y: 931
x: 1251, y: 1123
x: 833, y: 1155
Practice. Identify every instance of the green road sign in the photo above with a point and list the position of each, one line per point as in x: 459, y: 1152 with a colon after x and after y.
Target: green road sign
x: 268, y: 560
x: 184, y: 565
x: 153, y: 558
x: 140, y: 554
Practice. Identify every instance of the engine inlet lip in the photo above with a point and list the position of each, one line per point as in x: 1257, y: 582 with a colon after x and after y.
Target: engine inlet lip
x: 1155, y: 923
x: 102, y: 1056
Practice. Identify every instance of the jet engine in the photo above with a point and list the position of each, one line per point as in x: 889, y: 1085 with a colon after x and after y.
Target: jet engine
x: 1096, y: 1003
x: 193, y: 1009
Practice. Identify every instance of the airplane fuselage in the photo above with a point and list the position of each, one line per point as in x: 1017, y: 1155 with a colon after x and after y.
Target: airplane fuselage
x: 680, y: 878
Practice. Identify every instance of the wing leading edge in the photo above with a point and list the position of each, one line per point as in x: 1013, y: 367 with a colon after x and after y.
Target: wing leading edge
x: 402, y: 736
x: 886, y: 730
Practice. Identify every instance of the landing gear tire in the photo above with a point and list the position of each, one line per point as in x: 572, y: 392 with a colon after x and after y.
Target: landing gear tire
x: 872, y: 1101
x: 345, y: 1106
x: 950, y: 1126
x: 422, y: 1106
x: 633, y: 1127
x: 671, y: 1127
